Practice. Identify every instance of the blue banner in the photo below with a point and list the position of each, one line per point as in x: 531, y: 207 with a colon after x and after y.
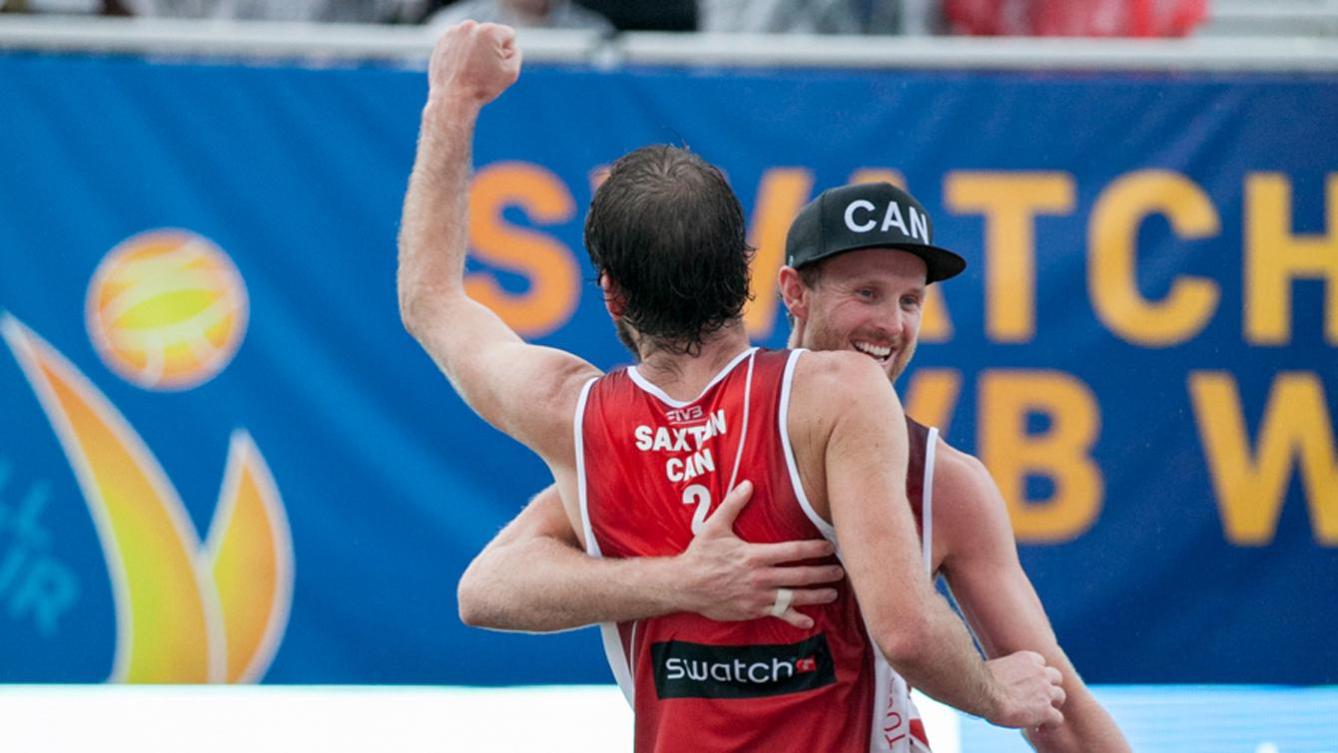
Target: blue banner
x: 221, y: 457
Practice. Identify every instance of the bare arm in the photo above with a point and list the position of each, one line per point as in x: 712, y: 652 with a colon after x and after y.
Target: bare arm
x: 998, y: 600
x: 526, y: 391
x: 847, y: 397
x: 535, y: 577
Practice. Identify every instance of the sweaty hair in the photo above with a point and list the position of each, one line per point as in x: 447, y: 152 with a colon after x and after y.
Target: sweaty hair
x: 669, y: 233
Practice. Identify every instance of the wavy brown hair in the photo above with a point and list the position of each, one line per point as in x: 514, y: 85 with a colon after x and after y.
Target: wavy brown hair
x: 668, y: 231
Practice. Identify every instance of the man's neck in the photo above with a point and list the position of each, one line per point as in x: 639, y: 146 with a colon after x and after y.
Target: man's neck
x: 684, y: 376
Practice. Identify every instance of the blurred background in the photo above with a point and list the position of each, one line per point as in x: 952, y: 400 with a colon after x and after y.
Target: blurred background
x: 222, y: 460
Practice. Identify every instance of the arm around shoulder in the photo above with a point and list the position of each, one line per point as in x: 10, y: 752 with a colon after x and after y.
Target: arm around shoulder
x: 535, y: 577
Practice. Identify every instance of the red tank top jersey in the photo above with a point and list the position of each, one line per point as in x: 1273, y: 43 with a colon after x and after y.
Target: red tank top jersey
x: 651, y: 469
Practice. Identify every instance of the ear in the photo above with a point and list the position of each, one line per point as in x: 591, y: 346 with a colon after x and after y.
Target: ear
x: 793, y: 292
x: 795, y: 295
x: 613, y: 300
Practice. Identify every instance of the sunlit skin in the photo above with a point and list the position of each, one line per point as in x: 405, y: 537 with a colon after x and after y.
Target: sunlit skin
x: 869, y: 301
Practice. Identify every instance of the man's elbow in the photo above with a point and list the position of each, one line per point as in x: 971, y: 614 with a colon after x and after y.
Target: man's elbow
x: 415, y: 305
x: 423, y: 298
x: 424, y: 312
x: 904, y: 643
x: 1055, y: 738
x: 476, y: 615
x: 476, y: 610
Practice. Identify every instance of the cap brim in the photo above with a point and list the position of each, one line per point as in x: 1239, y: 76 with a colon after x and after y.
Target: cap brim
x: 940, y: 263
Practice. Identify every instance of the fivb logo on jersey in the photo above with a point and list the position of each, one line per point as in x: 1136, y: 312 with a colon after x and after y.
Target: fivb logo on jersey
x: 167, y: 310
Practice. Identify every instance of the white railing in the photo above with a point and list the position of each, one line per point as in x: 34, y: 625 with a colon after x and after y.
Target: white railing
x: 411, y: 44
x: 1271, y: 18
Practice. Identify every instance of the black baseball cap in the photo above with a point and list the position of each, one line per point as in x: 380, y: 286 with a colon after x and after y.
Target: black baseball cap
x: 867, y: 215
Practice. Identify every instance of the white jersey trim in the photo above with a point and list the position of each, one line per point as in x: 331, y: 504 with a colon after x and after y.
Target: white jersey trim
x: 591, y: 546
x: 787, y: 382
x: 927, y: 502
x: 613, y: 644
x: 743, y: 437
x: 662, y: 396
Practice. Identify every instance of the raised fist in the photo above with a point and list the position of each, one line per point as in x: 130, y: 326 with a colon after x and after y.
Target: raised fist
x: 474, y: 61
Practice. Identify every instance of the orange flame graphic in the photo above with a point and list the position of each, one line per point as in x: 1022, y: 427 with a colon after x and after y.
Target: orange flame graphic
x: 184, y: 612
x: 249, y: 553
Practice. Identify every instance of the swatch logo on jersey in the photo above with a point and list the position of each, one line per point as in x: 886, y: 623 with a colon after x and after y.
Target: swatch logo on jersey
x: 167, y: 310
x: 698, y: 670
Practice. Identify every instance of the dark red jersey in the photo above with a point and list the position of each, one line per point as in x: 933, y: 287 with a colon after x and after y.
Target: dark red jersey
x: 651, y: 470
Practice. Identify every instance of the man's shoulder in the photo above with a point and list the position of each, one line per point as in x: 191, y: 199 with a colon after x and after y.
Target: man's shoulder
x: 841, y: 394
x: 828, y: 382
x: 568, y: 380
x: 961, y: 479
x: 555, y: 383
x: 957, y: 465
x: 828, y: 366
x: 967, y: 502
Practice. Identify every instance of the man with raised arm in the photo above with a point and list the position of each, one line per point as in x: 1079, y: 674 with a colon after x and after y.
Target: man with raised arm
x: 642, y: 456
x: 857, y: 269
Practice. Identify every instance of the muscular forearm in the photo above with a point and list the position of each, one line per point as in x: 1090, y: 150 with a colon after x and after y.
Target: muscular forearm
x: 942, y: 662
x: 534, y: 576
x: 433, y: 228
x: 1087, y: 728
x: 545, y: 585
x: 866, y: 478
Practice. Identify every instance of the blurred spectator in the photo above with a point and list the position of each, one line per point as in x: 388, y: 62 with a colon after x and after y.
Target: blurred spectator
x: 545, y: 14
x: 920, y: 17
x: 801, y: 16
x: 660, y: 15
x: 69, y: 7
x: 1066, y: 18
x: 341, y: 11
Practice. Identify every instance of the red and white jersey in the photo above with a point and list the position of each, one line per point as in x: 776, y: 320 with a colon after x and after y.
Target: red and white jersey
x: 651, y: 469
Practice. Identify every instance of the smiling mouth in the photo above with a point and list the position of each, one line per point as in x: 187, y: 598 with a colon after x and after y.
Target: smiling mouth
x: 880, y: 353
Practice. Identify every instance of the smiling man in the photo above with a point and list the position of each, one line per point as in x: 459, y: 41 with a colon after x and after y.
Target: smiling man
x: 859, y: 259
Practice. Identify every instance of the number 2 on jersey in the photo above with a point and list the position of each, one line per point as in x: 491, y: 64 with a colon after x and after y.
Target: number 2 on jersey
x: 701, y: 497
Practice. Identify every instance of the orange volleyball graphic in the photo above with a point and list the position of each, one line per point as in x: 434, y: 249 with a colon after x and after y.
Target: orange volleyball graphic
x: 167, y: 309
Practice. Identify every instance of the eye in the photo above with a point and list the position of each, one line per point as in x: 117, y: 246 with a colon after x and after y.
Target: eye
x: 910, y: 301
x: 867, y: 294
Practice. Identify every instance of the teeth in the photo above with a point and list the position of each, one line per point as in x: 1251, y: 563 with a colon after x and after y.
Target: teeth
x: 877, y: 351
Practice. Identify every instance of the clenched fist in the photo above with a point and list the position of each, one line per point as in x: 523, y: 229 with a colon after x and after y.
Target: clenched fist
x: 474, y: 61
x: 1033, y: 691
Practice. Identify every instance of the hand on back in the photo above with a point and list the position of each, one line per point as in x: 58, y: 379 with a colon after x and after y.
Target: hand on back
x: 729, y: 579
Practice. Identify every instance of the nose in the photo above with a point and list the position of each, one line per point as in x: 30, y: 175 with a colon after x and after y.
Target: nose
x: 891, y: 321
